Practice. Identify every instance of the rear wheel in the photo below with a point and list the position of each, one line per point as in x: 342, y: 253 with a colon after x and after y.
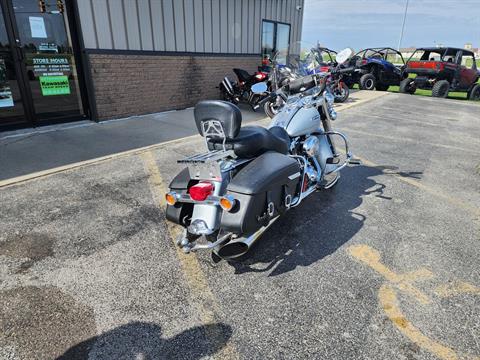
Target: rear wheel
x: 368, y: 82
x: 475, y: 93
x: 382, y: 87
x: 441, y: 89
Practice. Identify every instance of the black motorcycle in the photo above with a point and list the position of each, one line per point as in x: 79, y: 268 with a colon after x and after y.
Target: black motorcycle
x: 241, y: 90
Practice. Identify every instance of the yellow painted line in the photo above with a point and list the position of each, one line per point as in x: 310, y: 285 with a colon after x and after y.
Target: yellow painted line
x: 371, y: 257
x: 202, y: 298
x: 474, y: 210
x: 398, y: 138
x: 457, y: 288
x: 388, y: 300
x: 389, y: 303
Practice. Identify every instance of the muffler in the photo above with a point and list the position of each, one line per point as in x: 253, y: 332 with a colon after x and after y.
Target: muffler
x: 240, y: 246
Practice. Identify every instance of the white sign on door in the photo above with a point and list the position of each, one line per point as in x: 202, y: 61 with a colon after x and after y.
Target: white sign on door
x: 37, y: 27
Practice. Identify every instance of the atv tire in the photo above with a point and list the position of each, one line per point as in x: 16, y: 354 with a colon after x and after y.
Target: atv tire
x: 368, y: 82
x: 441, y: 89
x: 474, y: 94
x: 382, y: 87
x: 407, y: 86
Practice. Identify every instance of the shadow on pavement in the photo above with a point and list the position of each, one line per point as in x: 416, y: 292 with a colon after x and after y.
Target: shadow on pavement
x: 319, y: 226
x: 141, y: 340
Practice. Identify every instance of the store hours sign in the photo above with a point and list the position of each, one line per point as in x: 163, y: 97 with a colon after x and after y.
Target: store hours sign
x: 51, y: 66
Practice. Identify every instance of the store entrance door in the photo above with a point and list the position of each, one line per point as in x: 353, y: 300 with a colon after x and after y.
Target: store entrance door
x: 39, y: 80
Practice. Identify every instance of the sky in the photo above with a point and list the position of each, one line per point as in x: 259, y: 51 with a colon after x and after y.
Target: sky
x: 338, y: 24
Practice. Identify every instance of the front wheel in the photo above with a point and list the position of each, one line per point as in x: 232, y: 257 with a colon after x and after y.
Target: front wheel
x: 441, y: 89
x: 273, y: 107
x: 407, y: 86
x: 474, y: 94
x: 368, y: 82
x: 341, y: 93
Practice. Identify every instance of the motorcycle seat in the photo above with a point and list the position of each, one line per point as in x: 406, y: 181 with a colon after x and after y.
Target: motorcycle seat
x: 246, y: 142
x: 253, y: 141
x: 242, y: 75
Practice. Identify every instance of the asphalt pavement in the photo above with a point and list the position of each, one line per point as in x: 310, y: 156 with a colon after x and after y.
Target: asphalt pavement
x: 383, y: 266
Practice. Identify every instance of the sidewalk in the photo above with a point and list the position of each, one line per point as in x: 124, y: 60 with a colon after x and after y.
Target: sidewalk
x: 26, y: 151
x: 33, y: 150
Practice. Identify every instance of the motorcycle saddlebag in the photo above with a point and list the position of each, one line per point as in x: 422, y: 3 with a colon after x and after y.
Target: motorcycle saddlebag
x: 263, y: 189
x: 181, y: 213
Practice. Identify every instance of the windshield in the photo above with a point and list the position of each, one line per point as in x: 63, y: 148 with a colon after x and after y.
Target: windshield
x: 306, y: 59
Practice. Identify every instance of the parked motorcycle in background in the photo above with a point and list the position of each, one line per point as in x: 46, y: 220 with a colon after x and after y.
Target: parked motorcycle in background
x: 311, y: 61
x: 240, y: 90
x: 227, y: 197
x: 335, y: 79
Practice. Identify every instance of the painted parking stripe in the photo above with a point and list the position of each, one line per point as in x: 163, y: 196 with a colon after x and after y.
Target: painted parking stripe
x: 202, y: 298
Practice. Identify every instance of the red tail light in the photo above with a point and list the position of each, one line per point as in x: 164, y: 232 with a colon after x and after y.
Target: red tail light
x: 261, y: 76
x: 201, y: 191
x: 364, y: 61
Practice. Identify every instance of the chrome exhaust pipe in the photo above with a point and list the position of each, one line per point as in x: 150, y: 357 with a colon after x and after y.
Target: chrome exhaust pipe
x: 227, y: 85
x: 238, y: 247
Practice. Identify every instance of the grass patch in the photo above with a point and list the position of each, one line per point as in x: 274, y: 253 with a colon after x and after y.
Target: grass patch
x: 421, y: 92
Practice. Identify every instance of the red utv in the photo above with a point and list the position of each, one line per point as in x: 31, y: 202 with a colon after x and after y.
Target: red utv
x: 442, y: 70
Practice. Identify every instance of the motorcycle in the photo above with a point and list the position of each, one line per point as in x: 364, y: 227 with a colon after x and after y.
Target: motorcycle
x: 249, y: 177
x: 240, y: 90
x: 313, y: 63
x: 336, y: 81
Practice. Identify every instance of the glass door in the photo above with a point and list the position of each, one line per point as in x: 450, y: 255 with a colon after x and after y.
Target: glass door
x: 12, y: 108
x: 51, y: 71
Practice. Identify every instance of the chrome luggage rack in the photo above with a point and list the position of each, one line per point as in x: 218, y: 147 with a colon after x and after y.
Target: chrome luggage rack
x: 211, y: 164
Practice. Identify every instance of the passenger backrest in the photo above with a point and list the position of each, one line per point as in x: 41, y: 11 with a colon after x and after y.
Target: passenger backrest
x: 211, y: 113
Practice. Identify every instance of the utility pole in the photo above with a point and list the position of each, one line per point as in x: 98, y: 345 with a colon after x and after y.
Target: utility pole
x: 403, y: 25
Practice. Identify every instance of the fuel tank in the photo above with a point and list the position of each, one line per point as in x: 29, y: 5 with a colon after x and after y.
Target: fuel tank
x: 298, y: 121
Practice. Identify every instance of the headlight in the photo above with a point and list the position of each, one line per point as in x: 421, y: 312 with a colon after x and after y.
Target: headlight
x: 332, y: 113
x: 329, y: 98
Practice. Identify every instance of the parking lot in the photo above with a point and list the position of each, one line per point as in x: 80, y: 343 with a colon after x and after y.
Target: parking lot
x: 384, y: 266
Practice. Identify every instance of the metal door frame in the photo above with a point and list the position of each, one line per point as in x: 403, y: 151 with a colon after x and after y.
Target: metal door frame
x: 84, y: 78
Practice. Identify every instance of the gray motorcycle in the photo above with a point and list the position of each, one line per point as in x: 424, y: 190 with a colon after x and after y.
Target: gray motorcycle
x: 250, y: 176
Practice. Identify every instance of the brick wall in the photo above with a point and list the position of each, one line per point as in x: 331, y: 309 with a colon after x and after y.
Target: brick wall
x: 128, y: 85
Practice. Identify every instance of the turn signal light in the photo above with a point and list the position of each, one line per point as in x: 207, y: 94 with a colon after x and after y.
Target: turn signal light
x: 227, y: 202
x: 171, y: 198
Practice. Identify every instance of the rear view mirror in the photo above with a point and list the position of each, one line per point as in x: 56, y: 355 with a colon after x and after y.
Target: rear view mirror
x: 259, y: 88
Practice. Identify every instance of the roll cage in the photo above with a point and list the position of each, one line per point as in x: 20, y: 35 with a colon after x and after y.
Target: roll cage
x: 385, y: 53
x: 452, y: 55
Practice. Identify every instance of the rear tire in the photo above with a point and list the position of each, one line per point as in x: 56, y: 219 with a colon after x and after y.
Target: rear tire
x: 407, y: 86
x: 441, y: 89
x: 368, y: 82
x: 474, y: 94
x: 382, y: 87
